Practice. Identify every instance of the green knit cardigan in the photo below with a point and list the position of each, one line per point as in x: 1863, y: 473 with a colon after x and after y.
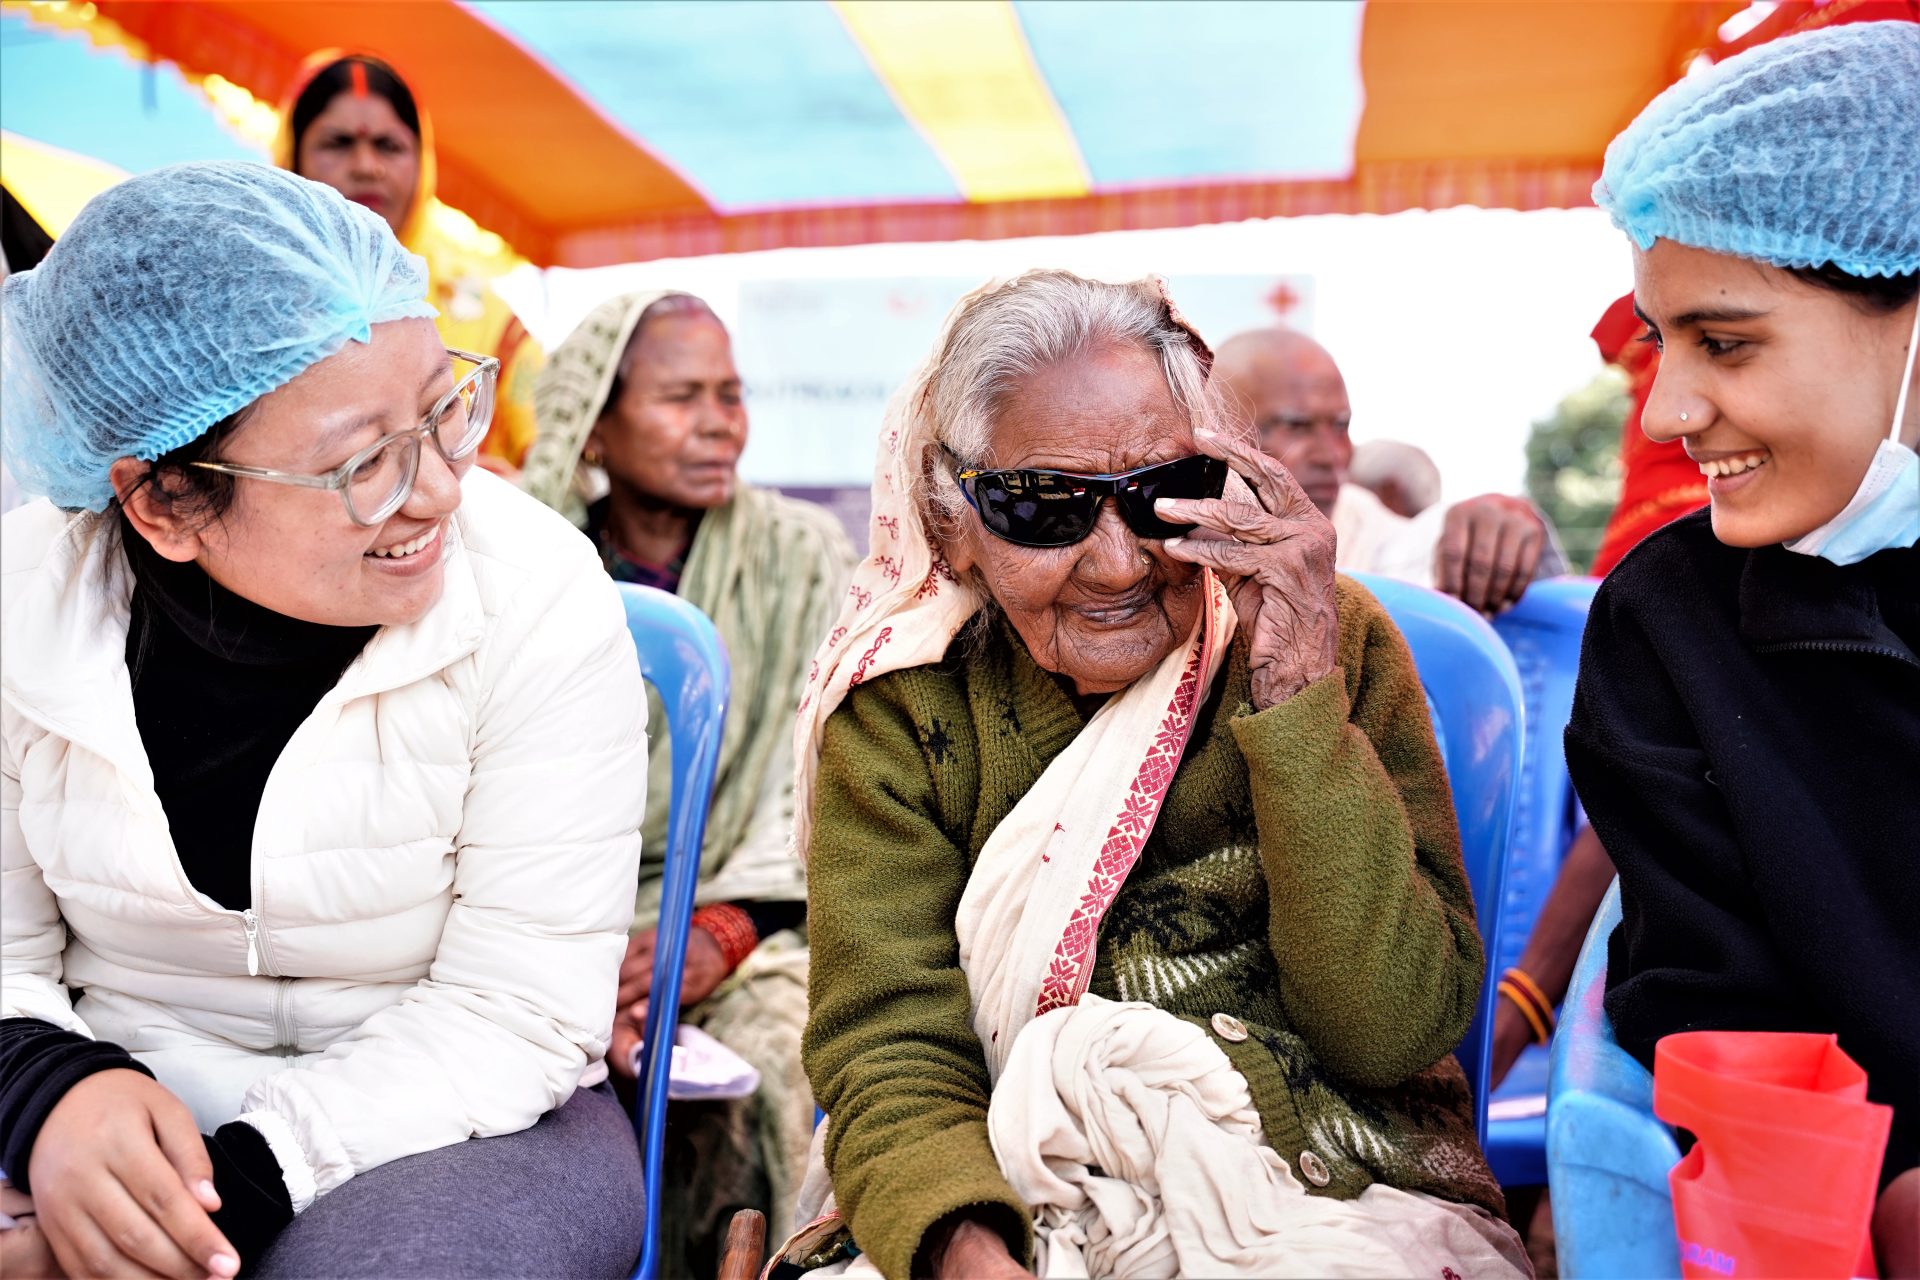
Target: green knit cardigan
x: 1304, y: 877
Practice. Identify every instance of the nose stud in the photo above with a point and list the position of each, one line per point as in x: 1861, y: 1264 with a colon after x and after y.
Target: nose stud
x: 1683, y: 417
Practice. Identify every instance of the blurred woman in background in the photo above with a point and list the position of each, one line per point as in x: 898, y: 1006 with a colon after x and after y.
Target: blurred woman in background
x: 642, y: 425
x: 352, y: 123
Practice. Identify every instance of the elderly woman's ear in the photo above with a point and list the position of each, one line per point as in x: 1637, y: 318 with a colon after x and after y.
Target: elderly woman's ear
x: 956, y: 543
x: 595, y: 448
x: 946, y: 516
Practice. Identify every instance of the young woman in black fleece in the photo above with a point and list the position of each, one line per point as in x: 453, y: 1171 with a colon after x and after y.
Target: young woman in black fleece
x: 1746, y: 727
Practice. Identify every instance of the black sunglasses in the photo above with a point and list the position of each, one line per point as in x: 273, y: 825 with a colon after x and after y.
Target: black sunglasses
x: 1059, y: 508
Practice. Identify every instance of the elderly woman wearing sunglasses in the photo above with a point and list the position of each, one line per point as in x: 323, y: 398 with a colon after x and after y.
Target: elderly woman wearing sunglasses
x: 1140, y: 933
x: 323, y: 759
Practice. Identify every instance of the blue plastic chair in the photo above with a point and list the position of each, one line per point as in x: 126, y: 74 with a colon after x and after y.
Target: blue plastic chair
x: 1543, y: 633
x: 1473, y: 693
x: 1608, y: 1155
x: 682, y: 657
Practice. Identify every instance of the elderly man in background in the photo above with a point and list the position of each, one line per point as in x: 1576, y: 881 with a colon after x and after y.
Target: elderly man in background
x: 1401, y: 475
x: 1484, y: 550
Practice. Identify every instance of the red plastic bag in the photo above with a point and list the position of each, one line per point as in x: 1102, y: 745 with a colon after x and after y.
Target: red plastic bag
x: 1782, y: 1179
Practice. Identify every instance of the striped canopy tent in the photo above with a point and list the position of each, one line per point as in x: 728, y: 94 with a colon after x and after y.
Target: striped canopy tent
x: 587, y: 133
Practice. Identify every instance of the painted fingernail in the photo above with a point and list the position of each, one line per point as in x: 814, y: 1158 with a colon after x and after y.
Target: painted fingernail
x: 224, y: 1264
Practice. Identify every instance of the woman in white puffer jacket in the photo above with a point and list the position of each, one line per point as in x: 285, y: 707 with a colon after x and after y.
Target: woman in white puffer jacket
x: 324, y: 763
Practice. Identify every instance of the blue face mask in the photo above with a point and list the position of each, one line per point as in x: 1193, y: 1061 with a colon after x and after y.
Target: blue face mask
x: 1885, y: 509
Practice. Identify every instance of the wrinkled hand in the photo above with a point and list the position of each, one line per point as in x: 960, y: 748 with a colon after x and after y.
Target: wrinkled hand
x: 123, y: 1184
x: 24, y: 1251
x: 972, y: 1250
x: 636, y: 969
x: 1277, y: 561
x: 1489, y: 547
x: 704, y: 970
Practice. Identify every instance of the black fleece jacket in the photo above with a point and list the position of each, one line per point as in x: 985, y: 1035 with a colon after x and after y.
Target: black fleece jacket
x: 1746, y: 739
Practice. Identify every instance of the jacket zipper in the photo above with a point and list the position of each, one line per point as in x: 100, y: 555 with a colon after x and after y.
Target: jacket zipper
x: 283, y: 1017
x: 1839, y: 646
x: 259, y: 953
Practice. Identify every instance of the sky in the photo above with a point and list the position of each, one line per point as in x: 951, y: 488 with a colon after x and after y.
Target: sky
x: 1456, y: 329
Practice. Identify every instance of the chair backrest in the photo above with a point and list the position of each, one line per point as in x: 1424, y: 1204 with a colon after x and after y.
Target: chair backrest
x: 1608, y: 1155
x: 1542, y: 632
x: 1473, y: 692
x: 682, y: 657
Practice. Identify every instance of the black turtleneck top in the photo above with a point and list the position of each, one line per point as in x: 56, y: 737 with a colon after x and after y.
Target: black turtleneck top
x: 220, y: 684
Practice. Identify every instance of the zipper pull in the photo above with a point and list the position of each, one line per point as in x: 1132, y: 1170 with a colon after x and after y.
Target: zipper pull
x: 253, y: 934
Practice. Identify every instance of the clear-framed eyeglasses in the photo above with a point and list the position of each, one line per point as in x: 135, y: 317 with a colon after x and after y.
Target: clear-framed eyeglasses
x: 375, y: 482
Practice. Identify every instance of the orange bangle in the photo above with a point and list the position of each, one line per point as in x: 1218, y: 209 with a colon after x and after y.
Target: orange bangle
x: 1526, y: 996
x: 1525, y: 980
x: 1540, y: 1033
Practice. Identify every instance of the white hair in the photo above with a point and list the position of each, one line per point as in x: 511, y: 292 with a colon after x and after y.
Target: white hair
x: 1035, y: 321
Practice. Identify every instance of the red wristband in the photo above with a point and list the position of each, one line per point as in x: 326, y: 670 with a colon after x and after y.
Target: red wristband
x: 732, y: 928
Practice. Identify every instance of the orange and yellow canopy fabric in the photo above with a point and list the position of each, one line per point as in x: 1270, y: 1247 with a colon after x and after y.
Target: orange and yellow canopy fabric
x: 587, y: 132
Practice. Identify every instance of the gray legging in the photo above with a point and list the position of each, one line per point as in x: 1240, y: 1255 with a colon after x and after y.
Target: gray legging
x: 563, y: 1198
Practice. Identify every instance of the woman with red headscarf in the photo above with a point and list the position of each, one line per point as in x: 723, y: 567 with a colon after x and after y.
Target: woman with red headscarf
x: 1661, y: 483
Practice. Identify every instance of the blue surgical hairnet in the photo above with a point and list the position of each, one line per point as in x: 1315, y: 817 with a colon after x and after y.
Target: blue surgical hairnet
x: 1799, y: 152
x: 175, y: 299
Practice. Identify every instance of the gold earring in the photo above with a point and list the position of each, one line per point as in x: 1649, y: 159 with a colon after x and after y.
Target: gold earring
x: 590, y: 456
